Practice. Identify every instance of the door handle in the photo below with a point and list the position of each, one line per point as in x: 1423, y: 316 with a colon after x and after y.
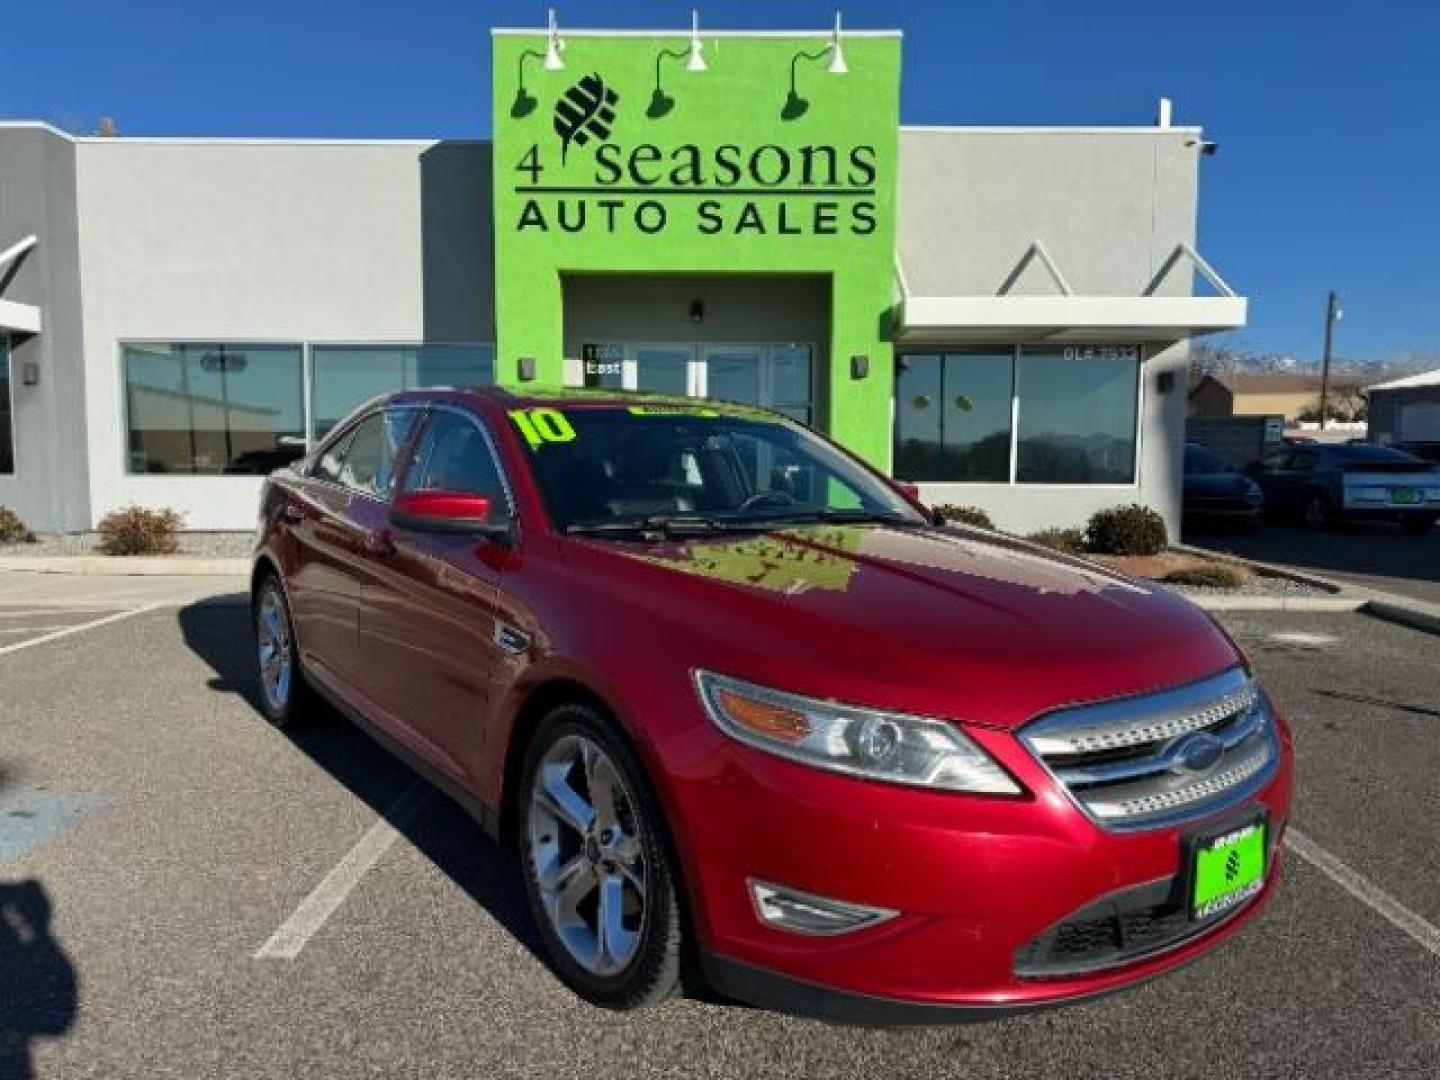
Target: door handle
x: 381, y: 544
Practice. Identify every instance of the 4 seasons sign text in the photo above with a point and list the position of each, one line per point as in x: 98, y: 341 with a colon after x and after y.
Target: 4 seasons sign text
x: 731, y: 188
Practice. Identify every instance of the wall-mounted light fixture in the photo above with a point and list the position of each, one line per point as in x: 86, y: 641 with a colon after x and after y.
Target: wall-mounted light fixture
x: 554, y: 46
x: 1165, y: 382
x: 526, y: 369
x: 30, y: 374
x: 697, y: 311
x: 859, y: 366
x: 796, y: 106
x: 662, y: 103
x: 524, y: 103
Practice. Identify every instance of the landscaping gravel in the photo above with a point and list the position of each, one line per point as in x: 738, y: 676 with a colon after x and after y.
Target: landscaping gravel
x: 211, y: 545
x: 1257, y: 586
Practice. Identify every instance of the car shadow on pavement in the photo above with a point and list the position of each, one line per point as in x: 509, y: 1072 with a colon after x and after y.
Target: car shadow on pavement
x: 39, y: 988
x: 442, y: 832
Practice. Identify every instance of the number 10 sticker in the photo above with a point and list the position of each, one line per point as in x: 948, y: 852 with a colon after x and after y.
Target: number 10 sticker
x: 541, y: 426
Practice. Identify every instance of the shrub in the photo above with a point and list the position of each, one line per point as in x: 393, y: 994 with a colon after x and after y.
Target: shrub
x: 138, y: 531
x: 1208, y: 576
x: 1126, y: 530
x: 1070, y: 541
x: 965, y: 515
x: 12, y: 529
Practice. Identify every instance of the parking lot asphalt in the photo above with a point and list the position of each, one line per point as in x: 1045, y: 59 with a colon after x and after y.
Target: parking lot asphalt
x: 160, y: 834
x: 1374, y: 554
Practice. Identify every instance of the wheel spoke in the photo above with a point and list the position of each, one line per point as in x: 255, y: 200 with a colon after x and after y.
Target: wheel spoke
x: 564, y: 801
x: 565, y: 900
x: 614, y: 943
x: 600, y: 775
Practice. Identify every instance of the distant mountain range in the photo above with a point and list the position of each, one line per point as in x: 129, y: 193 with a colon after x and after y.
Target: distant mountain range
x: 1217, y: 358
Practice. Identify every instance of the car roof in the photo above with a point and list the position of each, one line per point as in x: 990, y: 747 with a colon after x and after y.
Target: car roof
x: 570, y: 397
x: 1367, y: 452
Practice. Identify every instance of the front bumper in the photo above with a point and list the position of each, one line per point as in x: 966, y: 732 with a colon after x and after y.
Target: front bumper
x: 977, y: 882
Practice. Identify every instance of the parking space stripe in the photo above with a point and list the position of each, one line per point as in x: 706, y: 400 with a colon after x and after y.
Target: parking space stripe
x: 67, y: 631
x: 287, y: 942
x: 1365, y: 890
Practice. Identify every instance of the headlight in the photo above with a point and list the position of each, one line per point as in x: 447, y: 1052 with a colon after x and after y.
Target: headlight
x: 843, y: 738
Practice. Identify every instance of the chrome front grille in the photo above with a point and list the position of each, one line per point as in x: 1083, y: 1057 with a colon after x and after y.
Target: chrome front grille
x: 1148, y: 761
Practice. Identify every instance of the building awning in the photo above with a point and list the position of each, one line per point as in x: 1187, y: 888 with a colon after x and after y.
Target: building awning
x: 18, y: 318
x: 1068, y: 317
x: 15, y: 317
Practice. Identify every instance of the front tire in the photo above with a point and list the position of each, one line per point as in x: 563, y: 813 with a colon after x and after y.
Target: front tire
x: 597, y: 871
x: 283, y: 693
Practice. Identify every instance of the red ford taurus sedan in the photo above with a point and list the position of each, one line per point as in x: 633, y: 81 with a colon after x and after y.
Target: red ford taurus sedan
x: 737, y: 698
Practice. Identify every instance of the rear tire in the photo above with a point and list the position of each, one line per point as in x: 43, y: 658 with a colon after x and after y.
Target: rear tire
x: 1417, y: 524
x: 284, y: 694
x: 597, y: 868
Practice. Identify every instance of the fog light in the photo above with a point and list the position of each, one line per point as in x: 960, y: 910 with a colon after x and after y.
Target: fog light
x: 805, y: 913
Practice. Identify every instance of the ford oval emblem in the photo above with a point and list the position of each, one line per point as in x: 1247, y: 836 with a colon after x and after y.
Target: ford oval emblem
x: 1197, y: 752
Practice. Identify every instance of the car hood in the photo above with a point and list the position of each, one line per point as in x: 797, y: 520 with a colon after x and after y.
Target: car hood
x: 1217, y: 484
x: 945, y: 622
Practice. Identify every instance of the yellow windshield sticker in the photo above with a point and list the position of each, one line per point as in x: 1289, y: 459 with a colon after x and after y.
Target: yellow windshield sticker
x: 541, y: 426
x: 671, y: 410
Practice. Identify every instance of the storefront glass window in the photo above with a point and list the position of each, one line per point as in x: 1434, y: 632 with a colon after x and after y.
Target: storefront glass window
x: 1077, y: 414
x: 211, y: 408
x: 7, y: 427
x: 952, y: 416
x: 344, y: 377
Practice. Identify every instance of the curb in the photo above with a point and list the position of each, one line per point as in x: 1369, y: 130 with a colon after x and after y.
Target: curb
x: 127, y: 566
x: 1322, y: 604
x: 1425, y: 618
x: 1264, y: 568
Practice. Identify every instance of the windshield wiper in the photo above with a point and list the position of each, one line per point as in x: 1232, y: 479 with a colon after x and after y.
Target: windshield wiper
x: 835, y: 516
x: 668, y: 525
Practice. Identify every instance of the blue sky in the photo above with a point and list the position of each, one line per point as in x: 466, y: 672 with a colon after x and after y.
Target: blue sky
x: 1327, y: 115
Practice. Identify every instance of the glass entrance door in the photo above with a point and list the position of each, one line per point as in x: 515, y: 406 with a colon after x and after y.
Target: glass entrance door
x: 777, y: 376
x: 774, y: 376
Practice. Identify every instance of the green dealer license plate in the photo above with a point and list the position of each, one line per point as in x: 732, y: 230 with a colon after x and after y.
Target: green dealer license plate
x: 1405, y: 496
x: 1229, y: 869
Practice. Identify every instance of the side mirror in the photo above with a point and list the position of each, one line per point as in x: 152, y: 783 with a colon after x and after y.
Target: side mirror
x: 451, y: 512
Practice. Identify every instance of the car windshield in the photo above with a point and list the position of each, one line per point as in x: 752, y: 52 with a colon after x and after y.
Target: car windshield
x: 610, y: 468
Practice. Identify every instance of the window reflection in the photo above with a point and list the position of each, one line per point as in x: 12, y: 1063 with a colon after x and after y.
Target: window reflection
x: 952, y: 416
x: 344, y: 377
x: 1077, y: 415
x: 199, y: 408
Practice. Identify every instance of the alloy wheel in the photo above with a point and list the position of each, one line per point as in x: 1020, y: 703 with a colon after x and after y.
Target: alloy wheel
x: 587, y: 855
x: 272, y: 637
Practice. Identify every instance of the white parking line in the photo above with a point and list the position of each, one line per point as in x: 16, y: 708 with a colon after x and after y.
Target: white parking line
x: 315, y: 909
x: 68, y: 630
x: 1366, y: 891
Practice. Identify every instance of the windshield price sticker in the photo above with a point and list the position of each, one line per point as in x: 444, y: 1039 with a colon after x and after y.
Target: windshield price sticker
x: 672, y: 410
x: 541, y: 426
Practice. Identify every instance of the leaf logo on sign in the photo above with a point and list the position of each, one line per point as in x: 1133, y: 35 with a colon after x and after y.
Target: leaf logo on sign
x: 584, y: 112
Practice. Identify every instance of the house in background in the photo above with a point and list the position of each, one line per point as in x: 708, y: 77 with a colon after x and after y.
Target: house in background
x: 1405, y: 410
x: 1290, y: 396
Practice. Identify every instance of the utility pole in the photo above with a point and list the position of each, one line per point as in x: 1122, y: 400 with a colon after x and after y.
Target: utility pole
x: 1332, y: 316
